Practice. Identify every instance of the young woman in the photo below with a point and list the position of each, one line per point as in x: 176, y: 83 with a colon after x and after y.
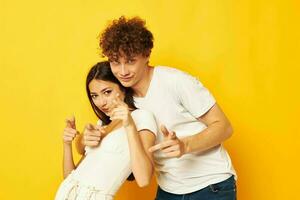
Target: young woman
x: 122, y: 143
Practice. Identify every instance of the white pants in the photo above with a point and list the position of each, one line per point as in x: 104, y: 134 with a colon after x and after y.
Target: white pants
x: 71, y: 189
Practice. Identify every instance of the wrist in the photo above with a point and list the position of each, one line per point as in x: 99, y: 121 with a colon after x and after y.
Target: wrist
x: 130, y: 127
x: 129, y: 122
x: 185, y: 145
x: 67, y: 144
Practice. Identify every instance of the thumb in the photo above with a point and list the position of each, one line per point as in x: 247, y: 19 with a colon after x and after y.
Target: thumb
x: 164, y: 130
x: 100, y: 128
x: 172, y: 135
x: 89, y: 127
x: 70, y: 122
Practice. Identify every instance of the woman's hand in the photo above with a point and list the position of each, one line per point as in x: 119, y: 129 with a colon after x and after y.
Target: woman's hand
x: 92, y: 135
x: 70, y: 131
x: 121, y: 112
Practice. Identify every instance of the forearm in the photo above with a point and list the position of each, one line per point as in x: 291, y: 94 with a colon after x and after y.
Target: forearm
x: 68, y: 162
x: 141, y: 162
x: 79, y: 144
x: 213, y: 135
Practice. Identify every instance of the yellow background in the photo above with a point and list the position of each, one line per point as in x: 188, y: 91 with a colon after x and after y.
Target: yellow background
x: 245, y: 52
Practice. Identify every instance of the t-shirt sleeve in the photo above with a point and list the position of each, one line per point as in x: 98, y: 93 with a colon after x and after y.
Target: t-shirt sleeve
x: 193, y: 95
x: 99, y: 122
x: 144, y: 120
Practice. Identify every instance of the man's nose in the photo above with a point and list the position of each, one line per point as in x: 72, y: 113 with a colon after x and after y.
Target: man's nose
x: 124, y: 70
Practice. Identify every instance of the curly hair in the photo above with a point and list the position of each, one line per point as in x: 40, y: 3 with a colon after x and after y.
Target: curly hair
x: 126, y: 37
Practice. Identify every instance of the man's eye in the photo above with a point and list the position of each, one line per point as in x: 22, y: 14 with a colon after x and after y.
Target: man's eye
x: 114, y: 62
x: 131, y: 61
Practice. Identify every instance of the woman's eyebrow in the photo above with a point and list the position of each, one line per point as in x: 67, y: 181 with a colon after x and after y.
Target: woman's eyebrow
x: 104, y: 89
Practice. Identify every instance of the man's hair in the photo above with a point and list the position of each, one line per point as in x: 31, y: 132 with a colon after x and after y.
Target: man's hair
x: 126, y: 38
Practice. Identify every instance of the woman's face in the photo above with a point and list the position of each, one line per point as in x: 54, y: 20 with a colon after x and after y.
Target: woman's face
x: 104, y: 93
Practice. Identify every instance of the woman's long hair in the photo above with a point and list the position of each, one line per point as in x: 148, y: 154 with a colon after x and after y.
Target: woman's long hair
x: 102, y: 71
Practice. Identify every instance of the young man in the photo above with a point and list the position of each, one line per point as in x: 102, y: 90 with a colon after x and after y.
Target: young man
x: 190, y: 161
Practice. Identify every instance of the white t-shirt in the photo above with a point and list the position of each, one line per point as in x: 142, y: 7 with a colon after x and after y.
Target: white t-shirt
x: 177, y: 99
x: 107, y: 166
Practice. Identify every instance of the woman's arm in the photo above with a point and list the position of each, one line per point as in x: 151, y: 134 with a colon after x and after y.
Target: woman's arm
x: 79, y: 144
x: 139, y: 142
x: 141, y: 159
x: 68, y: 162
x: 69, y: 134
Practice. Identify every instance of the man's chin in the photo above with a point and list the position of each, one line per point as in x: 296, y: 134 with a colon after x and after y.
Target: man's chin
x: 127, y: 83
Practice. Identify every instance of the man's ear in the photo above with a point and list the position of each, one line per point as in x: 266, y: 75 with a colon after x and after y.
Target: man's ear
x: 147, y: 54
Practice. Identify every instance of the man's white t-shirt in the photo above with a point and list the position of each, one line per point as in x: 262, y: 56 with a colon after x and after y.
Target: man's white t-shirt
x: 177, y: 99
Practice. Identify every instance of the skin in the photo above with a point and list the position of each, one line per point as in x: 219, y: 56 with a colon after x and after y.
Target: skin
x: 133, y: 72
x: 108, y: 97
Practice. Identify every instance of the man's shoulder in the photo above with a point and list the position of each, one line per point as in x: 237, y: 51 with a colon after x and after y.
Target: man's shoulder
x: 171, y: 74
x: 166, y: 69
x: 168, y: 72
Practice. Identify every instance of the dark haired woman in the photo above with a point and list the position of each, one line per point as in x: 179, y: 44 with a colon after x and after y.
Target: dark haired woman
x: 105, y: 167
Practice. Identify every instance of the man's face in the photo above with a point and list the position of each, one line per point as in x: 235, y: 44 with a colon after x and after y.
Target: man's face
x: 129, y: 71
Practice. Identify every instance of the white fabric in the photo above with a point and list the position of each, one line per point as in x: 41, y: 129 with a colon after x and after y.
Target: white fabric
x: 106, y: 167
x: 177, y: 99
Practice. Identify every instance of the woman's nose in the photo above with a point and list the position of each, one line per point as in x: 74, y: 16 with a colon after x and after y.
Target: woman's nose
x: 101, y: 102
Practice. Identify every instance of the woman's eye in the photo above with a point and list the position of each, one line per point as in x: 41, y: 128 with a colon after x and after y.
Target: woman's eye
x: 107, y: 92
x: 93, y: 96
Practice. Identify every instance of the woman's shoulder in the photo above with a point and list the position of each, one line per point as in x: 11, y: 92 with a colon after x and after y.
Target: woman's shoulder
x: 138, y: 113
x: 144, y: 119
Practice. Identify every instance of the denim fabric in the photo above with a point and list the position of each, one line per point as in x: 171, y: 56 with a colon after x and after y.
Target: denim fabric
x: 225, y: 190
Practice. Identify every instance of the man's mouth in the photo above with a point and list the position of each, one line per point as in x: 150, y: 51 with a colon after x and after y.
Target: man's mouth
x: 125, y: 79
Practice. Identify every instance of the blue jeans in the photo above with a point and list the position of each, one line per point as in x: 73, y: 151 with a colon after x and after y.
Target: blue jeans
x: 225, y: 190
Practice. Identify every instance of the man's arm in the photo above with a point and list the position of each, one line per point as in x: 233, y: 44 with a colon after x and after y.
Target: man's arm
x: 217, y: 131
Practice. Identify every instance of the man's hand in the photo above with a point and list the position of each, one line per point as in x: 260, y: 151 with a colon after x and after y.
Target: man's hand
x: 171, y: 146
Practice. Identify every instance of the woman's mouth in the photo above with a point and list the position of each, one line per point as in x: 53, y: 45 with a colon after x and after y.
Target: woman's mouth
x: 105, y: 110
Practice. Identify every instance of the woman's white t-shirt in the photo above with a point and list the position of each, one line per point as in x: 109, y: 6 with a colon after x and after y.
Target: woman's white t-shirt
x: 107, y: 166
x: 177, y: 99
